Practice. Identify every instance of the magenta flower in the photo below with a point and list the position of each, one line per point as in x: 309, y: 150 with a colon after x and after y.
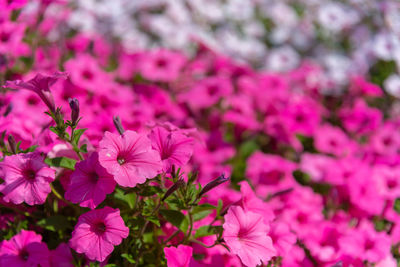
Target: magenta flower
x: 24, y: 249
x: 61, y: 256
x: 97, y: 232
x: 245, y: 233
x: 129, y: 158
x: 161, y: 65
x: 90, y: 183
x: 178, y: 256
x: 26, y: 179
x: 39, y: 84
x: 174, y: 147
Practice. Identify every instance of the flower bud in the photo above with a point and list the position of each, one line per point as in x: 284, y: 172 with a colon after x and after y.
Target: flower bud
x: 118, y: 125
x: 74, y: 105
x: 12, y: 144
x: 221, y: 179
x: 8, y: 110
x: 173, y: 188
x: 3, y: 61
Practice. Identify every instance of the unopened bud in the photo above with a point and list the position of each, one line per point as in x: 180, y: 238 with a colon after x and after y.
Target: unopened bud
x: 3, y: 61
x: 221, y: 179
x: 74, y: 105
x: 12, y: 144
x: 8, y: 110
x: 118, y: 125
x: 173, y: 188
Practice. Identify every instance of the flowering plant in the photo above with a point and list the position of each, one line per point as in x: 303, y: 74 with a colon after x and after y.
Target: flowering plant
x: 151, y: 158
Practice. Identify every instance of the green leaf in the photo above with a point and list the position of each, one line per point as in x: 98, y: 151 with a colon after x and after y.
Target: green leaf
x: 30, y: 149
x: 205, y: 230
x: 83, y: 148
x: 203, y: 207
x: 201, y: 215
x: 397, y: 205
x: 220, y: 206
x: 202, y: 211
x: 77, y: 135
x: 198, y: 257
x: 301, y: 177
x: 128, y: 257
x: 61, y: 162
x: 154, y: 219
x: 54, y: 223
x: 148, y: 207
x: 176, y: 218
x: 150, y: 191
x: 129, y: 199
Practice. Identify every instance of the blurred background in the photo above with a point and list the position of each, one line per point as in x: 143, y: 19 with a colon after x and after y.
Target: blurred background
x: 349, y: 36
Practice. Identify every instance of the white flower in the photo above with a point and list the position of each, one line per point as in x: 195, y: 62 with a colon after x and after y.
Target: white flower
x: 392, y: 85
x: 386, y: 46
x: 335, y: 17
x: 283, y: 59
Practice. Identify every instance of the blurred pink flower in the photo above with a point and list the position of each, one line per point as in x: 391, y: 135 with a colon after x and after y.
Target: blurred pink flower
x: 250, y: 202
x: 90, y: 183
x: 26, y: 179
x: 178, y: 256
x: 360, y: 118
x: 24, y: 249
x: 97, y: 232
x: 161, y: 65
x: 40, y: 84
x: 129, y: 158
x: 246, y: 235
x: 366, y: 243
x: 332, y: 140
x: 61, y: 256
x: 174, y: 147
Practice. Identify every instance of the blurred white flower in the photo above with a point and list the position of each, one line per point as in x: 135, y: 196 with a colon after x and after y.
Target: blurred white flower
x: 335, y: 17
x: 386, y: 46
x: 282, y: 59
x: 392, y: 85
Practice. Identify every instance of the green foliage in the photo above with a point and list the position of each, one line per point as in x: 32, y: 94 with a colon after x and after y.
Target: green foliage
x: 397, y: 205
x: 207, y: 230
x: 176, y: 218
x: 55, y: 223
x: 129, y: 199
x: 62, y: 162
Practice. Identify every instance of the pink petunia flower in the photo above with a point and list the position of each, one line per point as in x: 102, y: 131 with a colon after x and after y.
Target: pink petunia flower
x: 61, y: 256
x: 250, y: 202
x: 90, y: 183
x: 39, y: 84
x: 178, y: 256
x: 245, y: 233
x: 161, y: 65
x: 174, y: 147
x: 366, y: 243
x: 24, y: 249
x: 26, y: 179
x: 97, y: 232
x: 129, y: 158
x: 332, y: 140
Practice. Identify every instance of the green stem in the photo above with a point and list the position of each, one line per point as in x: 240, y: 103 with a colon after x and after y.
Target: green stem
x: 171, y: 236
x: 204, y: 245
x: 58, y: 195
x: 190, y: 225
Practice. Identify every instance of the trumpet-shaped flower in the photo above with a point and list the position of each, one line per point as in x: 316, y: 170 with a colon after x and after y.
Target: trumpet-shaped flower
x: 129, y: 158
x: 97, y: 232
x: 26, y: 179
x: 90, y: 183
x: 246, y: 235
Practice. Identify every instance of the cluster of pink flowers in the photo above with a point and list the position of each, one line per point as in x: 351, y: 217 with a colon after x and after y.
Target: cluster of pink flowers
x: 157, y: 158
